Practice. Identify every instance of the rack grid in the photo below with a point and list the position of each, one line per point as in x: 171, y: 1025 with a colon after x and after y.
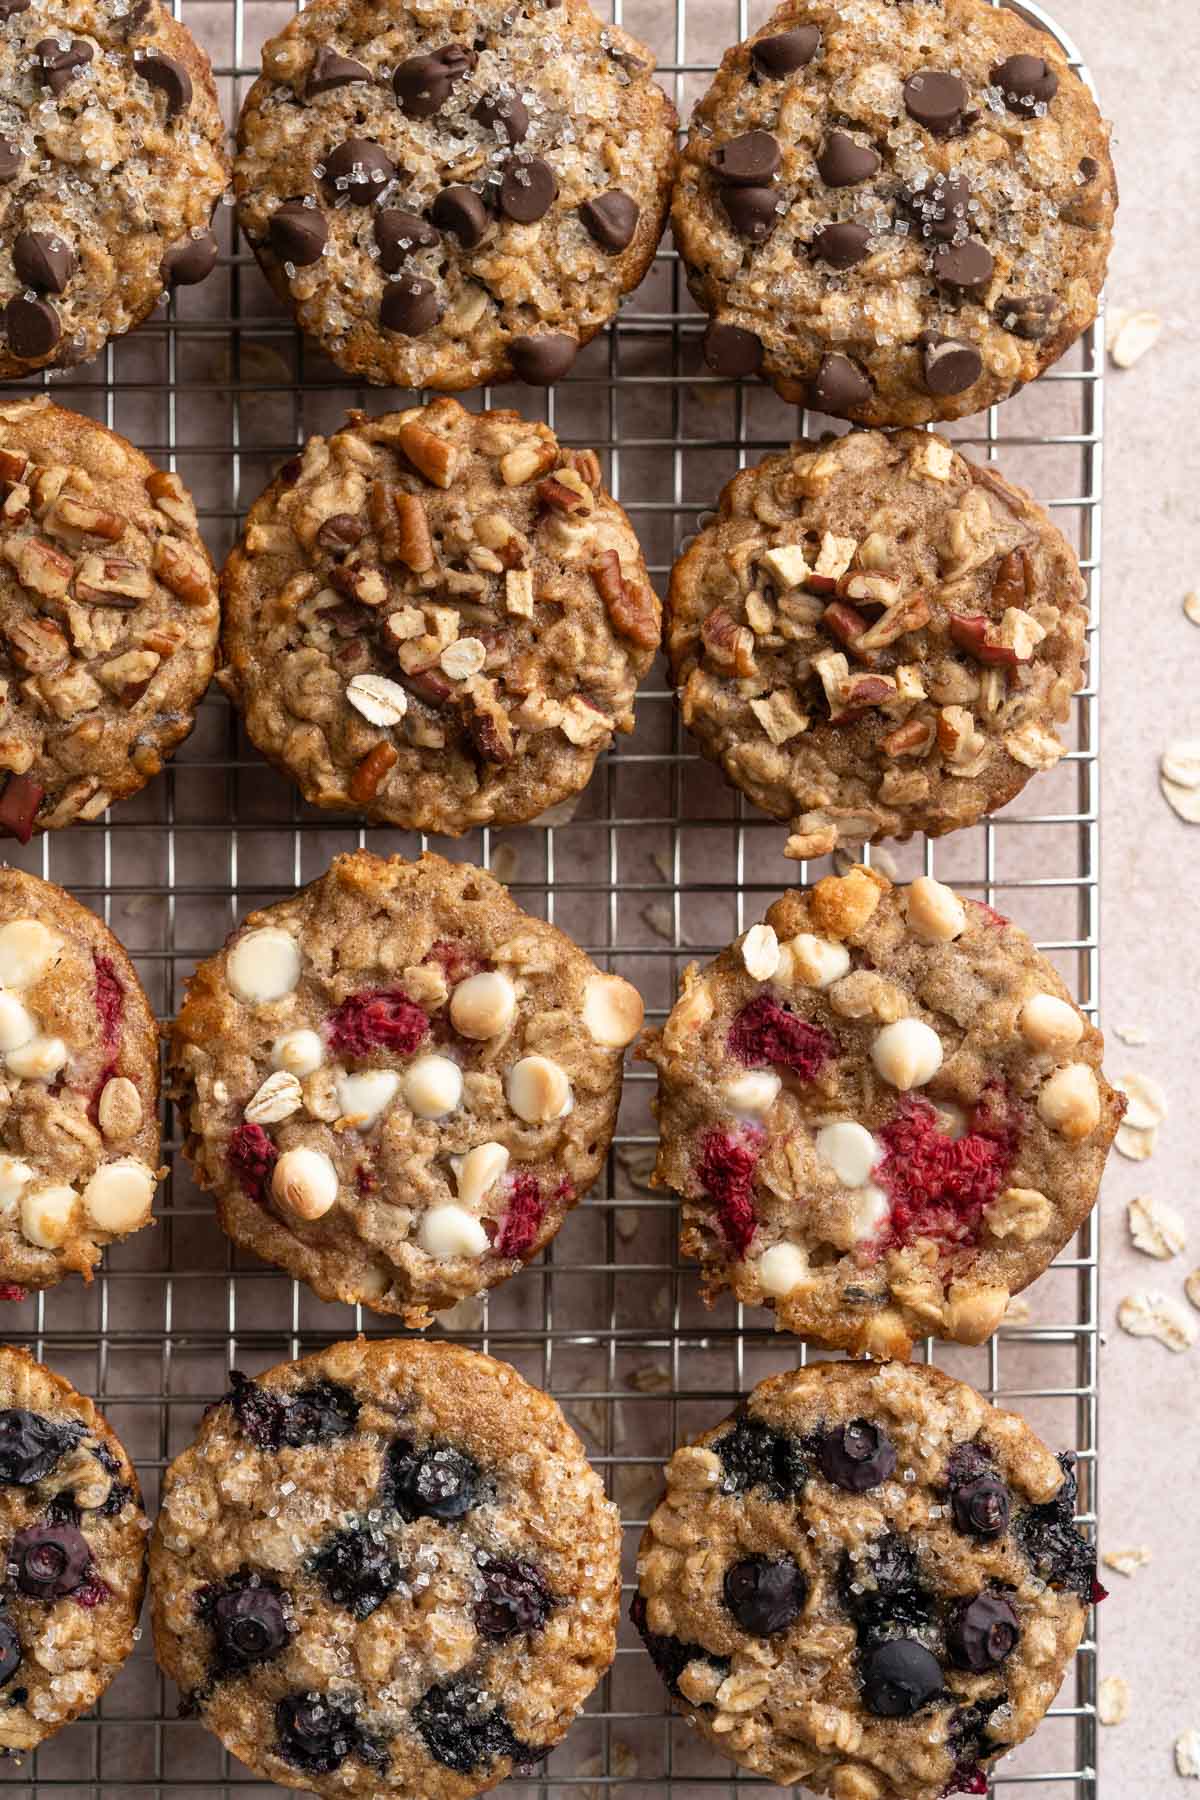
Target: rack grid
x: 658, y: 863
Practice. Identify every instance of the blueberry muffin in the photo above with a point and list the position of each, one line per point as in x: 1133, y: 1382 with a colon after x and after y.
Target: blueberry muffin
x: 437, y: 618
x: 386, y: 1569
x: 74, y: 1538
x: 79, y: 1140
x: 895, y: 213
x: 454, y: 195
x: 112, y: 157
x: 876, y: 636
x: 882, y: 1112
x: 397, y: 1084
x: 868, y: 1581
x: 108, y: 617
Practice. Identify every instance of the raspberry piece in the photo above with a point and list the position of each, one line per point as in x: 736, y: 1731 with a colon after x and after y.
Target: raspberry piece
x: 110, y: 1001
x: 252, y: 1156
x: 727, y: 1165
x: 523, y: 1219
x: 90, y: 1594
x: 376, y: 1018
x: 9, y: 1290
x: 457, y: 959
x: 940, y: 1186
x: 970, y: 1780
x: 997, y: 920
x: 765, y: 1032
x: 1098, y: 1592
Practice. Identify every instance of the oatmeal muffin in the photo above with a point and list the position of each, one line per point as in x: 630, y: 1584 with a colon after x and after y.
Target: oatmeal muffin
x: 112, y: 158
x: 882, y: 1112
x: 385, y: 1569
x: 397, y: 1084
x: 454, y: 195
x: 74, y: 1537
x: 891, y: 1587
x: 437, y: 618
x: 895, y: 213
x: 79, y: 1139
x: 108, y: 617
x: 875, y: 636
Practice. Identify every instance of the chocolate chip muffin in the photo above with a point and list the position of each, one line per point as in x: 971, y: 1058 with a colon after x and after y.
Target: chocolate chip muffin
x: 868, y: 1581
x: 397, y: 1084
x: 74, y: 1540
x: 79, y: 1136
x: 895, y: 213
x: 386, y: 1568
x: 882, y: 1112
x: 876, y: 636
x: 112, y: 158
x: 108, y: 617
x: 456, y: 196
x: 437, y: 618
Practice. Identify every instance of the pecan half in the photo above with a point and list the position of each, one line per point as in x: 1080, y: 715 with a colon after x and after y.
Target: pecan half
x: 182, y: 570
x: 13, y: 464
x: 487, y: 723
x: 360, y: 581
x: 172, y: 498
x: 972, y: 632
x: 432, y: 455
x: 385, y: 524
x: 74, y: 518
x: 36, y: 645
x: 40, y: 567
x: 112, y: 581
x: 414, y: 542
x: 848, y: 626
x: 631, y: 608
x: 1013, y: 580
x: 367, y: 777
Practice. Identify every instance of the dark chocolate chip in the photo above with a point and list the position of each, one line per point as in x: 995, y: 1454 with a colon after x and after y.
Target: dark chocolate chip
x: 963, y: 271
x: 747, y: 161
x: 508, y: 111
x: 298, y: 233
x: 169, y: 76
x: 611, y: 219
x: 731, y: 351
x: 32, y: 329
x: 359, y: 169
x: 423, y: 83
x: 1026, y: 82
x: 398, y: 233
x: 543, y: 359
x: 43, y: 260
x: 11, y: 159
x: 340, y: 532
x: 460, y: 210
x: 193, y: 259
x: 939, y: 210
x: 751, y: 211
x: 982, y: 1633
x: 127, y: 25
x: 10, y: 1649
x: 786, y: 51
x: 936, y: 99
x: 528, y: 189
x: 58, y: 67
x: 10, y: 8
x: 1028, y: 316
x: 410, y: 306
x: 841, y: 387
x: 1089, y: 168
x: 899, y: 1678
x: 843, y: 162
x: 841, y: 245
x: 948, y: 365
x: 19, y: 803
x: 332, y: 70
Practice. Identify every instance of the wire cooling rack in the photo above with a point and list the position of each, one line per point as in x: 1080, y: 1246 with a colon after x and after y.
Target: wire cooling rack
x: 659, y: 863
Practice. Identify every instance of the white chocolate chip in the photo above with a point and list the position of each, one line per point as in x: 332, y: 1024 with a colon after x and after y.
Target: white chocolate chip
x: 483, y: 1006
x: 849, y: 1149
x: 17, y: 1024
x: 478, y: 1171
x: 782, y: 1268
x: 870, y: 1212
x: 1156, y: 1228
x: 463, y: 658
x: 1069, y: 1101
x: 432, y: 1086
x: 760, y: 952
x: 613, y: 1011
x: 47, y: 1214
x: 753, y: 1093
x: 38, y: 1060
x: 27, y: 950
x: 1112, y: 1700
x: 263, y: 965
x: 1050, y: 1024
x: 450, y: 1230
x: 363, y: 1097
x: 538, y: 1090
x: 1131, y: 335
x: 277, y: 1098
x: 120, y: 1110
x: 305, y: 1182
x: 786, y: 564
x: 936, y: 915
x: 380, y: 701
x: 15, y: 1177
x: 298, y: 1052
x: 816, y: 961
x: 119, y: 1195
x: 907, y: 1054
x: 1147, y: 1101
x: 1157, y: 1316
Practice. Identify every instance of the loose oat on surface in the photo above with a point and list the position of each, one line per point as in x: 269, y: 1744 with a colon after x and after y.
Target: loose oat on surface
x: 1187, y: 1753
x: 1131, y: 335
x: 1156, y: 1228
x: 1112, y: 1700
x: 1158, y: 1316
x: 1127, y: 1562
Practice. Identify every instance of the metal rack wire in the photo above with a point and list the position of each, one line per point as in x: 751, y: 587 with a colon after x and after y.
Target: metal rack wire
x: 659, y: 864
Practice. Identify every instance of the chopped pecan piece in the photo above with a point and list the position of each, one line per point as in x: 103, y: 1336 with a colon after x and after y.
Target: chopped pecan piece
x: 172, y: 498
x: 72, y: 518
x: 1013, y: 583
x: 46, y: 484
x: 432, y: 455
x: 487, y: 722
x: 112, y: 581
x: 339, y: 532
x: 429, y: 685
x: 360, y: 581
x: 526, y: 461
x: 129, y: 676
x: 182, y: 570
x: 69, y: 691
x: 975, y: 633
x: 556, y: 494
x: 367, y: 777
x: 848, y: 626
x: 518, y: 593
x: 585, y: 463
x: 164, y: 641
x: 414, y: 542
x: 381, y: 510
x: 904, y: 615
x: 869, y: 589
x: 631, y: 608
x: 40, y: 567
x: 36, y: 645
x: 913, y: 738
x: 958, y: 738
x: 13, y: 464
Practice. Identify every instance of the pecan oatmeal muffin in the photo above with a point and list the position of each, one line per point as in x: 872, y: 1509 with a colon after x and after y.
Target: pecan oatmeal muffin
x: 112, y: 158
x: 385, y: 1569
x: 454, y: 195
x: 882, y: 1112
x: 895, y: 213
x: 74, y: 1537
x: 876, y: 636
x: 437, y: 618
x: 79, y: 1136
x: 108, y: 617
x: 890, y: 1588
x: 397, y: 1084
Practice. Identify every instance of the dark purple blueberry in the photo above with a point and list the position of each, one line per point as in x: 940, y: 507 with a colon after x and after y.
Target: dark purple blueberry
x: 982, y: 1633
x: 980, y: 1506
x: 515, y: 1599
x: 858, y: 1456
x: 10, y: 1650
x: 315, y: 1415
x: 461, y: 1733
x: 899, y: 1678
x: 357, y: 1569
x: 1049, y: 1537
x: 882, y: 1590
x: 765, y: 1594
x: 249, y: 1625
x: 752, y: 1455
x: 49, y: 1560
x: 671, y: 1655
x: 316, y: 1732
x: 437, y: 1482
x: 63, y: 1509
x: 31, y: 1445
x: 968, y: 1737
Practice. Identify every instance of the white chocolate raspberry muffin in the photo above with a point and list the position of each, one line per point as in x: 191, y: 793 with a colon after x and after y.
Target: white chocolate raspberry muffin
x: 79, y: 1139
x: 882, y: 1112
x: 397, y: 1083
